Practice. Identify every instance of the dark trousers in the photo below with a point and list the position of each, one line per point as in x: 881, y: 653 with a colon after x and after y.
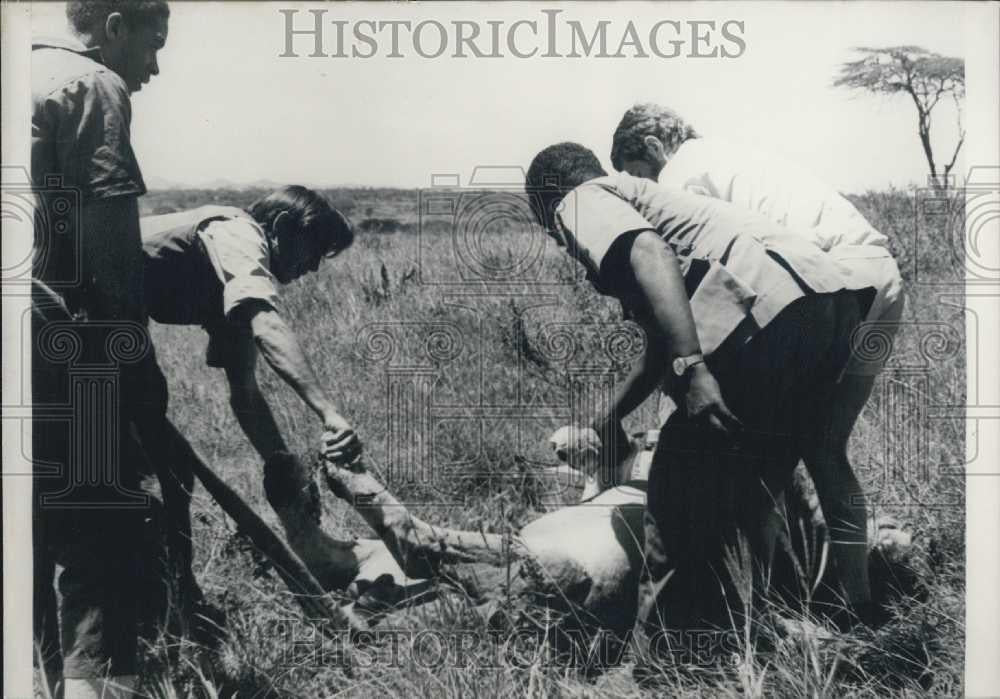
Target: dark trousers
x: 91, y: 520
x: 711, y: 495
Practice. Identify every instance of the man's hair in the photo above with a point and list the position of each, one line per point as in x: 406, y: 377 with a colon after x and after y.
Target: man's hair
x: 648, y: 120
x: 86, y: 15
x: 311, y: 216
x: 554, y: 172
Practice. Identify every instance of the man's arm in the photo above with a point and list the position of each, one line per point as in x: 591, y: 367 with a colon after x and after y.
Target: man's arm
x: 111, y: 259
x: 656, y: 291
x: 281, y: 349
x: 643, y: 378
x: 251, y: 410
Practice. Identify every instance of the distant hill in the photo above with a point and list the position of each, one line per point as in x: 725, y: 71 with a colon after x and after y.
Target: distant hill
x: 159, y: 184
x: 363, y: 203
x: 371, y: 209
x: 154, y: 183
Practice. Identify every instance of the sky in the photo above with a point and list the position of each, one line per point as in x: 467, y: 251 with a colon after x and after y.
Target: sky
x: 227, y: 106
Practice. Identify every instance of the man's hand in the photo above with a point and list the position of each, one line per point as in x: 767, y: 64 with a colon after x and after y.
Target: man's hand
x: 703, y: 401
x: 339, y: 442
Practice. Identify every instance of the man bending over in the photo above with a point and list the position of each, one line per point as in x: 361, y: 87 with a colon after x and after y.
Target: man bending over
x: 654, y: 142
x: 753, y: 337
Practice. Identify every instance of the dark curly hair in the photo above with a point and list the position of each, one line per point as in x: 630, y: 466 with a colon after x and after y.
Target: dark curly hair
x: 648, y: 120
x: 554, y: 172
x: 85, y: 15
x: 311, y: 214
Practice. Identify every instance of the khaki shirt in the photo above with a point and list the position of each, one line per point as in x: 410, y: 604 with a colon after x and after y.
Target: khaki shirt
x: 201, y: 266
x: 746, y: 278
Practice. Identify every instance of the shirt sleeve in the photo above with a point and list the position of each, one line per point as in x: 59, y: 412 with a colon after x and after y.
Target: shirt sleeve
x: 241, y: 258
x: 92, y: 115
x: 591, y: 218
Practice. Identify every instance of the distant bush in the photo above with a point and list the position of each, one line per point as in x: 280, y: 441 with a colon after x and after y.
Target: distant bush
x: 383, y: 225
x: 928, y: 244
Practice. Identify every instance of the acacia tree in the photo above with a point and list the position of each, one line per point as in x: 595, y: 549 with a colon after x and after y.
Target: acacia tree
x: 925, y: 76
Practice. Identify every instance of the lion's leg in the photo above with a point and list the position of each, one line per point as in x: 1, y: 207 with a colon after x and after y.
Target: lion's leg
x: 293, y: 495
x: 420, y: 548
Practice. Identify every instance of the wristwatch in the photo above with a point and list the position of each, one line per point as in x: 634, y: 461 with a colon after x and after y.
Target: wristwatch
x: 682, y: 364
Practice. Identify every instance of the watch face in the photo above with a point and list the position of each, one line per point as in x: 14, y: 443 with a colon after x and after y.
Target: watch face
x: 679, y: 366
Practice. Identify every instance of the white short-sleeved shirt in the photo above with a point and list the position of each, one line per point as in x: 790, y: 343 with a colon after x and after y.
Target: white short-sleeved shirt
x: 783, y: 192
x: 788, y: 195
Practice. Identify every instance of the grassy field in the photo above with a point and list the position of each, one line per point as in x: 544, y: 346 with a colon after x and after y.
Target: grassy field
x: 500, y: 372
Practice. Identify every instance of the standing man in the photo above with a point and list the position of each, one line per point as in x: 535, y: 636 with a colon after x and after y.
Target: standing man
x: 753, y: 337
x: 654, y: 142
x: 88, y: 273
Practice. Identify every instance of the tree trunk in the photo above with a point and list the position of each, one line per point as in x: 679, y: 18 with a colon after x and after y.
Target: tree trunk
x: 923, y: 129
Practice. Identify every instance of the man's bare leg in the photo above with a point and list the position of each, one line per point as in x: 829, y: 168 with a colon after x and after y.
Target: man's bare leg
x: 840, y: 494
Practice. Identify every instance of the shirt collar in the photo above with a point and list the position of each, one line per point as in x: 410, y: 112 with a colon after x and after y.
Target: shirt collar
x: 66, y: 43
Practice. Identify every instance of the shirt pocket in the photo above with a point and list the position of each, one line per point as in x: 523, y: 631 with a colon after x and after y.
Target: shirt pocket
x: 719, y: 304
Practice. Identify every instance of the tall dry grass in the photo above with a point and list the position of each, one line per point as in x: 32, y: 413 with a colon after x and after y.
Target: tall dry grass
x: 909, y: 457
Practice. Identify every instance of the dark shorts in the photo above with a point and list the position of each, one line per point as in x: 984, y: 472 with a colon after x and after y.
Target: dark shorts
x: 710, y: 494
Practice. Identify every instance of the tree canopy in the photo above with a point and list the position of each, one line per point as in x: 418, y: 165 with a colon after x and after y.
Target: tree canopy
x: 925, y: 76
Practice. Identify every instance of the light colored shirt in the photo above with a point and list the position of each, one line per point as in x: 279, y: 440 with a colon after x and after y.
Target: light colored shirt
x: 241, y: 257
x: 783, y: 192
x: 201, y: 266
x: 788, y: 195
x: 233, y: 243
x: 744, y: 278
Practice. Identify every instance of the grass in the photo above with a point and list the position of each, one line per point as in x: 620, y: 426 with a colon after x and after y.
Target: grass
x: 505, y: 371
